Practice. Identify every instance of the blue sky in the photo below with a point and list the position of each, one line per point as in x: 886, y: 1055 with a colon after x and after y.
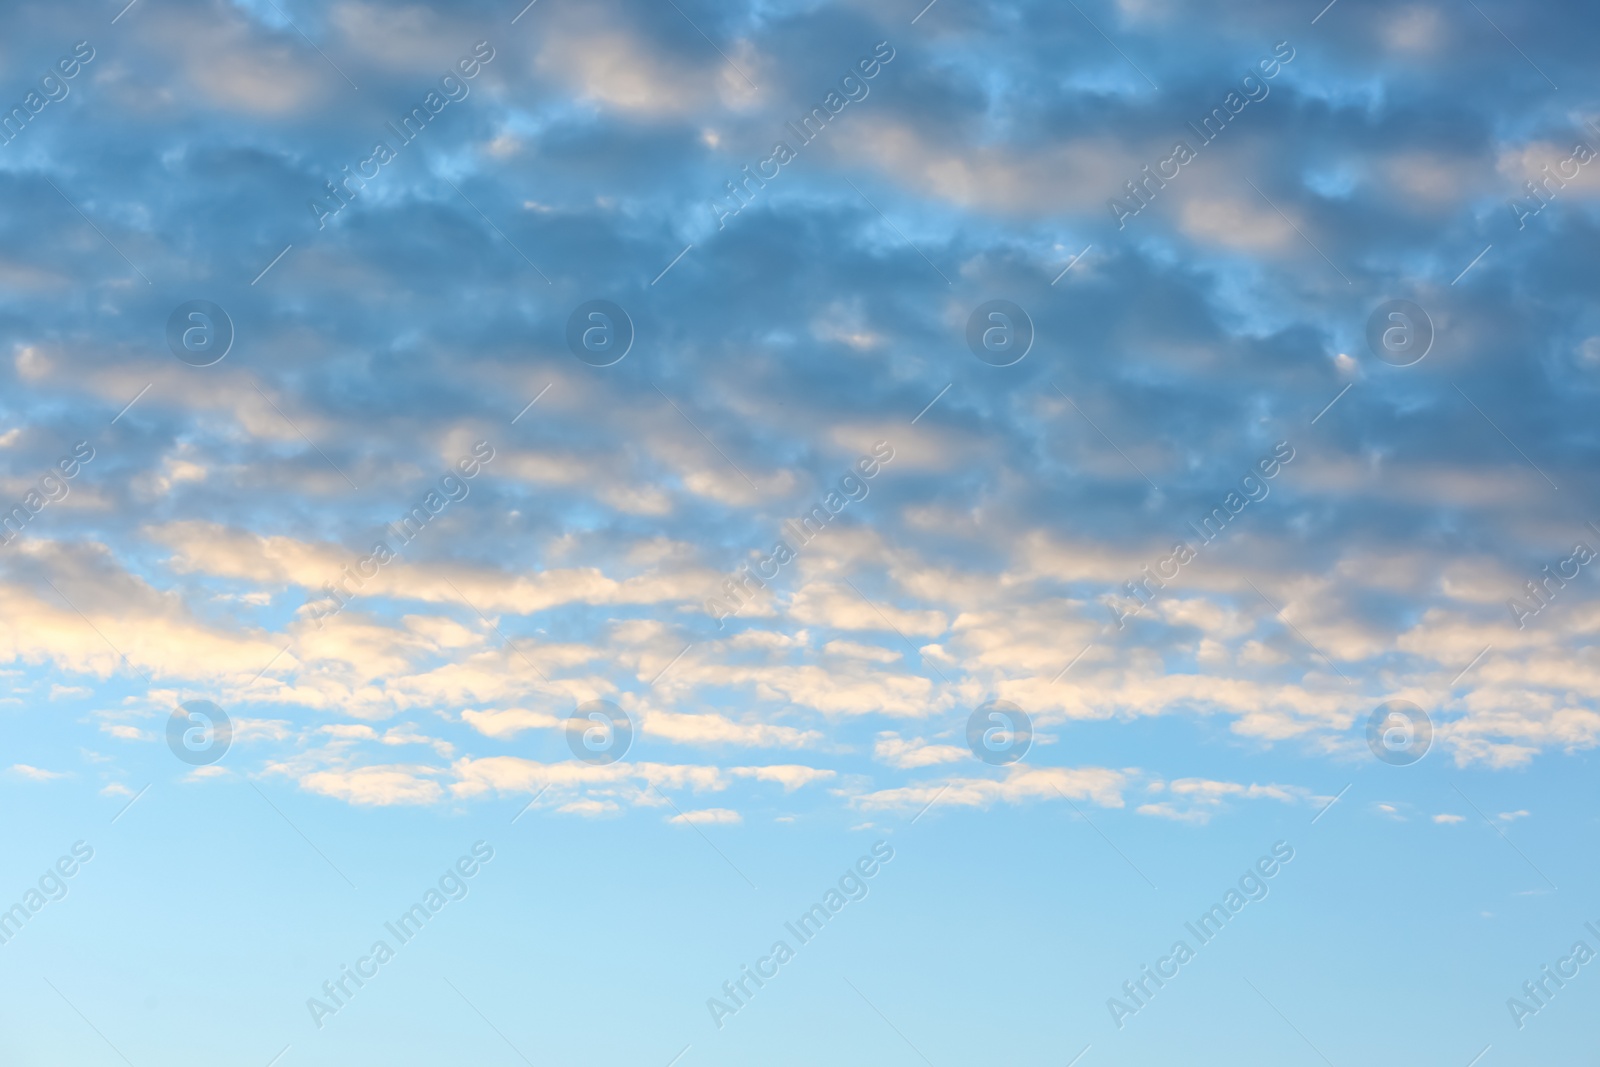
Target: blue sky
x: 421, y: 384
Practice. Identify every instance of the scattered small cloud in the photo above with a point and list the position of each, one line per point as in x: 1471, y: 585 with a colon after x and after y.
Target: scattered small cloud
x: 37, y: 774
x: 705, y: 816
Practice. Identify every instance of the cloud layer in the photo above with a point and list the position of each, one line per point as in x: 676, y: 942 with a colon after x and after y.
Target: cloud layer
x: 1089, y: 533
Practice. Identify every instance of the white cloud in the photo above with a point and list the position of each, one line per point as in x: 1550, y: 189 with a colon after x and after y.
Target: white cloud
x: 37, y: 774
x: 379, y: 786
x: 708, y: 816
x: 789, y: 775
x: 1021, y: 784
x: 910, y: 753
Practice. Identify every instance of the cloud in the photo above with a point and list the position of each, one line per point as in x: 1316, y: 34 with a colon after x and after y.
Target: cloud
x: 37, y: 774
x: 1021, y: 784
x: 380, y: 786
x: 1197, y: 800
x: 195, y: 553
x: 508, y: 722
x: 910, y: 753
x: 707, y: 816
x: 789, y: 775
